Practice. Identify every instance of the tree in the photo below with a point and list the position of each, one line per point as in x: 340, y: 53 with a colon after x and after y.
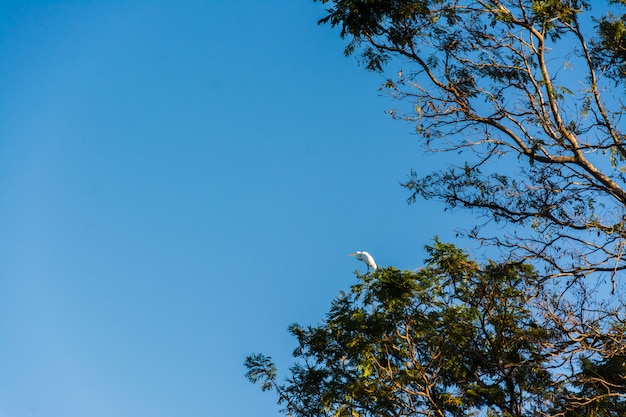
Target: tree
x: 528, y: 97
x: 451, y: 339
x: 533, y: 86
x: 530, y: 93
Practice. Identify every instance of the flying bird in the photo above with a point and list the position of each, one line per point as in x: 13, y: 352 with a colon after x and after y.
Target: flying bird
x: 365, y: 257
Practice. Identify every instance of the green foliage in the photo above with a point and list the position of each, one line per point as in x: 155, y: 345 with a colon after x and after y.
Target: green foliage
x: 529, y: 92
x: 524, y: 90
x: 600, y: 387
x: 610, y: 49
x: 261, y: 370
x: 602, y: 381
x: 452, y: 338
x: 363, y: 19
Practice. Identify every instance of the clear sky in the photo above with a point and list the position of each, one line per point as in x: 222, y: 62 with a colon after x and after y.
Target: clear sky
x: 180, y: 181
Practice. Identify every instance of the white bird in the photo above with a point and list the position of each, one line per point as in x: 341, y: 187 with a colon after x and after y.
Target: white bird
x: 365, y: 257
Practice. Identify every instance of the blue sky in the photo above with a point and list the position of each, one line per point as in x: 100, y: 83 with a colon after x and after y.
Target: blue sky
x: 180, y: 181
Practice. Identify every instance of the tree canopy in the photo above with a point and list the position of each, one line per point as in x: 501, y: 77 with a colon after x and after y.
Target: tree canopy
x: 533, y: 86
x: 451, y: 339
x: 527, y: 97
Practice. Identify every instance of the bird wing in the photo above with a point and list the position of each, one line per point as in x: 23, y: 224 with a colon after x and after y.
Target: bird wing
x: 368, y: 259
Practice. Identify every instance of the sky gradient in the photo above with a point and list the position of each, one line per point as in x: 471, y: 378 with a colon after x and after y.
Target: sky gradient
x: 179, y: 182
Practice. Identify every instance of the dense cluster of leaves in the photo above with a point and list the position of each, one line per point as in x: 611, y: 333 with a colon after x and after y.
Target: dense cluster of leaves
x: 610, y: 48
x: 450, y: 339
